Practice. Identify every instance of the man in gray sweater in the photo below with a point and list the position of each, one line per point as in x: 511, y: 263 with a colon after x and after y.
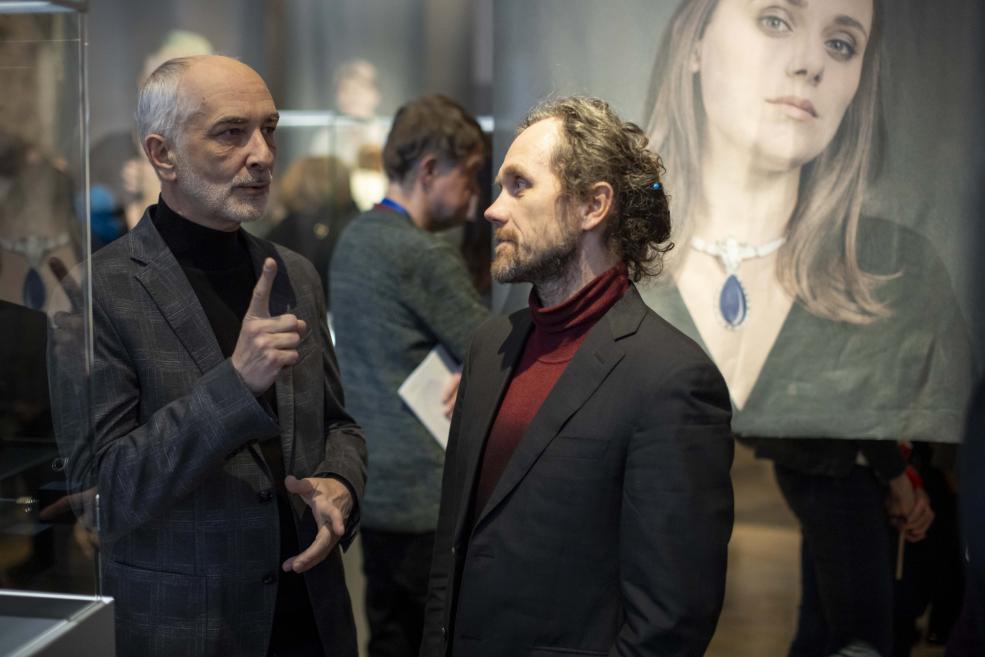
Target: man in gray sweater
x: 398, y: 290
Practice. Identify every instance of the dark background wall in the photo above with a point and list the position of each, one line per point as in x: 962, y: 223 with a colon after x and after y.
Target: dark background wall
x: 418, y: 46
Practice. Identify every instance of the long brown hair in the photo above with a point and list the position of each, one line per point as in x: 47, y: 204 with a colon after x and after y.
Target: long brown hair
x: 818, y: 264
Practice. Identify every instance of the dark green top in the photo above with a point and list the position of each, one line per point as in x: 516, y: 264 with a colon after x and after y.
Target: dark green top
x: 906, y: 376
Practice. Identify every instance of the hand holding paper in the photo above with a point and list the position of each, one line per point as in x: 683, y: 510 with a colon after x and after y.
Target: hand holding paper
x: 427, y: 391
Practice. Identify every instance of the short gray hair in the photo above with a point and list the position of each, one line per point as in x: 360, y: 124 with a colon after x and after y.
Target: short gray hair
x: 159, y: 106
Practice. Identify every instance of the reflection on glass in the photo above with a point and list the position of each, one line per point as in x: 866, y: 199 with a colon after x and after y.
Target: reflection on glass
x: 44, y: 545
x: 314, y: 203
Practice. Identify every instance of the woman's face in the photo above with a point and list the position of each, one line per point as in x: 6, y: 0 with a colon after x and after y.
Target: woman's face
x: 778, y: 75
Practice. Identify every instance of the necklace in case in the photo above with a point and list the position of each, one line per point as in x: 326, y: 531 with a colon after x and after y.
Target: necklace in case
x: 34, y: 248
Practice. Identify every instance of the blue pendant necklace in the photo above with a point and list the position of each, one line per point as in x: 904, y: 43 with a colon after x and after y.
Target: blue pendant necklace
x: 733, y: 301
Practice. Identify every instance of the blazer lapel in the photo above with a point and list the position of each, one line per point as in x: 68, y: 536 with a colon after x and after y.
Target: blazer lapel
x: 282, y: 300
x: 167, y: 284
x: 488, y: 378
x: 597, y: 356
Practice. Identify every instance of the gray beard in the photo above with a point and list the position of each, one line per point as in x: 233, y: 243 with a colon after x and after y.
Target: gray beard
x: 217, y: 199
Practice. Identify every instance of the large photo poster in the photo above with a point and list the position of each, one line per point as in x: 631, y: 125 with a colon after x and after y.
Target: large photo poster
x: 820, y: 163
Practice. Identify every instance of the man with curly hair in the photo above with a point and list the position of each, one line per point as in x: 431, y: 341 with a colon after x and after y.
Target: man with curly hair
x: 586, y: 502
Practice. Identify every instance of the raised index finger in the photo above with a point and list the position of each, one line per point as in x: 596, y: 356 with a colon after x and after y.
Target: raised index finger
x: 260, y: 301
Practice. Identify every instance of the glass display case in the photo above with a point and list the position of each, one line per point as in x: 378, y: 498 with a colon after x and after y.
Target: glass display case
x: 55, y: 625
x: 48, y: 549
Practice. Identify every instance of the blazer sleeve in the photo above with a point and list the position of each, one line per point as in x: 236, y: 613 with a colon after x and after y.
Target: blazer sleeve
x: 676, y: 517
x: 142, y: 469
x: 443, y: 563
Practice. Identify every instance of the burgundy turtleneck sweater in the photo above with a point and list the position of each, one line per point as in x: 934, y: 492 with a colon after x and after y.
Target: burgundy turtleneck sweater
x: 557, y: 333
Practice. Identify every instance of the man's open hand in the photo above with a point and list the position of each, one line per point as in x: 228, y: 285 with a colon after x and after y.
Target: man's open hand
x: 266, y: 344
x: 330, y: 502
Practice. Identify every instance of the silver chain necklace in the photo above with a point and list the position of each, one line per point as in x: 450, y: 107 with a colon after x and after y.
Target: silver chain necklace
x: 733, y: 301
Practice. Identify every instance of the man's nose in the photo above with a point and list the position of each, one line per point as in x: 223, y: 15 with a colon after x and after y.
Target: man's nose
x: 495, y: 212
x: 262, y: 151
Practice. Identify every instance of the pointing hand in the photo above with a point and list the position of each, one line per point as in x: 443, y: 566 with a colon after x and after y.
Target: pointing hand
x: 266, y: 344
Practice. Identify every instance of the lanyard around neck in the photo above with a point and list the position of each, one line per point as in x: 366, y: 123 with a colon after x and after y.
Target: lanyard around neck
x: 393, y: 205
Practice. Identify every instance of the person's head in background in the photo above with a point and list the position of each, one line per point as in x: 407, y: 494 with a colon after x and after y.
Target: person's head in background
x: 357, y: 90
x: 431, y: 158
x: 316, y: 185
x: 774, y: 108
x: 314, y: 204
x: 175, y: 44
x: 207, y: 125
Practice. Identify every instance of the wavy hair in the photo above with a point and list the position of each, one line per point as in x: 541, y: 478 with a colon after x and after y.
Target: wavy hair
x: 598, y: 146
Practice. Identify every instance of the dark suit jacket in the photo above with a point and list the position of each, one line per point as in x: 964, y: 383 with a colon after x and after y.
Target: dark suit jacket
x: 973, y: 492
x: 188, y: 521
x: 608, y: 531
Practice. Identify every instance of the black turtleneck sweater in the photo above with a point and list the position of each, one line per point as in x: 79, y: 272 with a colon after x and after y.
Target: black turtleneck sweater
x: 221, y: 272
x: 218, y: 266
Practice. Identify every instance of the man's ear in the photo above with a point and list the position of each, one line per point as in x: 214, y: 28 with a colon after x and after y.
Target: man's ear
x: 427, y: 170
x: 598, y: 205
x: 161, y: 156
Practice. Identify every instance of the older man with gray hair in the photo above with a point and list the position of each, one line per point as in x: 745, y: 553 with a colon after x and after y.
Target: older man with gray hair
x: 227, y: 468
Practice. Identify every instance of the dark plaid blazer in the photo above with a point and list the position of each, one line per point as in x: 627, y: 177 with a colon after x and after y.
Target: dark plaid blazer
x: 188, y: 521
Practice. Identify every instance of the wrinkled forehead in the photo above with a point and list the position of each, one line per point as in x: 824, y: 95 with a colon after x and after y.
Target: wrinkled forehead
x: 534, y: 147
x: 212, y: 90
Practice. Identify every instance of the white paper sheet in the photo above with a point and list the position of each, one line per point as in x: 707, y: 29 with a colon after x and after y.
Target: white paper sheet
x: 421, y: 391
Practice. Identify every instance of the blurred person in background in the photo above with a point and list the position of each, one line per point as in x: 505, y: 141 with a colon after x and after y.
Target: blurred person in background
x: 317, y: 204
x: 400, y: 291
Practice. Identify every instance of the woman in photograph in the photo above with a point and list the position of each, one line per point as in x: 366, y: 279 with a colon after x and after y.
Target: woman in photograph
x: 832, y: 328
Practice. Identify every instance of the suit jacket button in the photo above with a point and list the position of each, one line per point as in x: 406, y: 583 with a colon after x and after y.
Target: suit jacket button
x: 453, y: 550
x: 269, y: 578
x: 444, y: 633
x: 265, y: 495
